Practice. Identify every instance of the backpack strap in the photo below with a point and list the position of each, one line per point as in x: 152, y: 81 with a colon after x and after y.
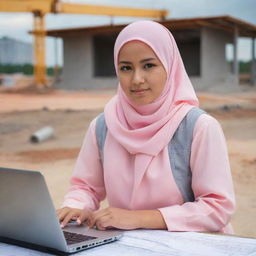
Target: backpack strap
x: 179, y: 150
x: 101, y: 133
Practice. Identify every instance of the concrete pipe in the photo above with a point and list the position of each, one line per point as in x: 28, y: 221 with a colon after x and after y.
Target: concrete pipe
x: 42, y: 134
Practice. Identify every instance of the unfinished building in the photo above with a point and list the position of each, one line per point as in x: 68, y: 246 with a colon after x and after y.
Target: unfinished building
x: 88, y: 52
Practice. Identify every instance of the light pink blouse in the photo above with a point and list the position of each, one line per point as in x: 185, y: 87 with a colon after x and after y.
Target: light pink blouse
x: 156, y: 188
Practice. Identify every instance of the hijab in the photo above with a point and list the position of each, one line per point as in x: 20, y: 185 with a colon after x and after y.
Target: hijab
x: 146, y: 130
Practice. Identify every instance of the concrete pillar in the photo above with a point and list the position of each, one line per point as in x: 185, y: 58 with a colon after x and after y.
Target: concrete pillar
x: 56, y: 60
x: 56, y: 57
x: 235, y: 60
x: 253, y: 64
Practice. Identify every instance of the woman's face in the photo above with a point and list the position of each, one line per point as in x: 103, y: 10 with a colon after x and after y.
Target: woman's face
x: 140, y: 72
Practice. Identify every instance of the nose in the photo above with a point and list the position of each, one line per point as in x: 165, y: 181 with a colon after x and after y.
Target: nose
x: 138, y: 77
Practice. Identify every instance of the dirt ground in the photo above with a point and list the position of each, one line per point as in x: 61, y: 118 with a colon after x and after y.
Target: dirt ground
x: 69, y: 113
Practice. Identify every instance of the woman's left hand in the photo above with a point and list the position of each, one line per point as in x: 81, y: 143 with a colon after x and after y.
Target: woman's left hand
x: 111, y: 217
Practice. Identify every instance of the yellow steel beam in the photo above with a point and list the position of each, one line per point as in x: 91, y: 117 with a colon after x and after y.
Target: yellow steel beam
x: 39, y: 49
x: 47, y: 6
x: 108, y: 10
x: 25, y: 5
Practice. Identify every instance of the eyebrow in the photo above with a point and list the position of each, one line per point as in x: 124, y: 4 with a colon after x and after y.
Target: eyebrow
x: 142, y: 61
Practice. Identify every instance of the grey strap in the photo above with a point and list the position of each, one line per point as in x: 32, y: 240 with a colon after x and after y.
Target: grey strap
x: 179, y: 153
x: 101, y: 133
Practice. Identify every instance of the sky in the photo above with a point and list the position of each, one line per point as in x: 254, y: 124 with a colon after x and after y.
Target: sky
x: 17, y: 25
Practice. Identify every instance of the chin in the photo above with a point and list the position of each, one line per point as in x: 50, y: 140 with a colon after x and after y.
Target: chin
x: 141, y: 102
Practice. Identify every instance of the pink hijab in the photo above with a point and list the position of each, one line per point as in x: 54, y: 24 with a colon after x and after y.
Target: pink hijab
x: 146, y: 129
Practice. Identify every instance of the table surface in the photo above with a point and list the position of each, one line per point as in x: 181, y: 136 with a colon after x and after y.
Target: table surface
x: 159, y: 243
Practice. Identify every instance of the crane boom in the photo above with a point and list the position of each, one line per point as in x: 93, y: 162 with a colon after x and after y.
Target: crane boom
x: 25, y: 6
x: 109, y: 10
x: 49, y: 6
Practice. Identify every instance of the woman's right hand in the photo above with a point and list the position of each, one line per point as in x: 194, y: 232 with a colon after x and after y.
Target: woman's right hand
x: 67, y: 214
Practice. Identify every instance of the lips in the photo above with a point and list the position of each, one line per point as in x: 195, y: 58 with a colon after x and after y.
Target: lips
x: 139, y: 91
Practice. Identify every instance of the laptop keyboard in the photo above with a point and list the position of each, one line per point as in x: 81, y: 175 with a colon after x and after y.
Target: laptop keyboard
x: 73, y: 238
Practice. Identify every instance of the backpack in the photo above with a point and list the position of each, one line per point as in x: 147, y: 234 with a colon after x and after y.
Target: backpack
x: 179, y: 149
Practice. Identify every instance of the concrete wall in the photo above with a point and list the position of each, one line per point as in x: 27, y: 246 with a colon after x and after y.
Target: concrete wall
x: 78, y: 70
x: 78, y: 66
x: 215, y: 71
x: 15, y: 52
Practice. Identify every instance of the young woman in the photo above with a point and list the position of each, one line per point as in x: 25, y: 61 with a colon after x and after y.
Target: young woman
x: 138, y: 167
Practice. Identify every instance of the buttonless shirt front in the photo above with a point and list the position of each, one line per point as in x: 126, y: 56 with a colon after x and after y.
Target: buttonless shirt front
x: 156, y: 188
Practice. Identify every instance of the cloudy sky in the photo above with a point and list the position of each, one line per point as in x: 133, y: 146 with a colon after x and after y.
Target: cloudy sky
x: 17, y: 25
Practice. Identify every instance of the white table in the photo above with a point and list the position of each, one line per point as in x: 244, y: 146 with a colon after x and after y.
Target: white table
x: 159, y: 243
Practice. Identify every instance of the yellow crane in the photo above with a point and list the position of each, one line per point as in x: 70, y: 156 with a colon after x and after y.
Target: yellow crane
x: 40, y: 8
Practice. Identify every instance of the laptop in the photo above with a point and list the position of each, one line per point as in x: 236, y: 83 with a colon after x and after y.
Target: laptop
x: 28, y: 217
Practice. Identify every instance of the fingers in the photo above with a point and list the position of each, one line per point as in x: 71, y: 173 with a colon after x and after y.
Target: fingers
x: 103, y: 223
x: 66, y: 214
x: 69, y: 216
x: 100, y: 219
x: 63, y: 212
x: 84, y: 215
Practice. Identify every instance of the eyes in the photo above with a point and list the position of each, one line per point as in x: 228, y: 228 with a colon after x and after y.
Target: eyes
x: 129, y: 67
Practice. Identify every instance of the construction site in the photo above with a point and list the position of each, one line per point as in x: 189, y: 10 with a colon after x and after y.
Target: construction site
x: 70, y: 100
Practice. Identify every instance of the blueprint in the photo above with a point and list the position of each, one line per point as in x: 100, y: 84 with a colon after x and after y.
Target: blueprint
x: 160, y: 243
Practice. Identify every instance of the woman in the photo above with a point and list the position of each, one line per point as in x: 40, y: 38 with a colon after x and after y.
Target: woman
x: 136, y: 171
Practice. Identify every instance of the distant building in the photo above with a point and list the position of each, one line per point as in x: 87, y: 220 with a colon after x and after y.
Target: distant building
x: 13, y: 51
x: 88, y: 52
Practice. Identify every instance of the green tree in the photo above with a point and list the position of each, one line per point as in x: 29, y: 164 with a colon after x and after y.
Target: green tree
x: 26, y: 69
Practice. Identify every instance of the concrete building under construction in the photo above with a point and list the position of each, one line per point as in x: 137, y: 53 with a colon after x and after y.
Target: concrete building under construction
x: 88, y: 52
x: 13, y: 51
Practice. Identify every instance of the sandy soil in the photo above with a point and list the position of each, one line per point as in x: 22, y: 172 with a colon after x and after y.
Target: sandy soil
x: 69, y: 113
